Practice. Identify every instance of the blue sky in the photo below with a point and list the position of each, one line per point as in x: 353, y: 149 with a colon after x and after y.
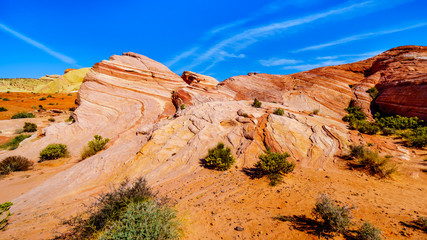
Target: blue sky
x: 221, y: 38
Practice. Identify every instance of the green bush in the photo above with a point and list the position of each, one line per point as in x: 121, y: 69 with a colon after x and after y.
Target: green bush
x: 388, y: 131
x: 14, y: 164
x: 398, y: 122
x: 315, y: 111
x: 418, y: 137
x: 219, y: 158
x: 4, y: 214
x: 30, y: 127
x: 182, y: 107
x: 72, y: 109
x: 335, y: 218
x: 51, y: 119
x: 274, y: 165
x: 256, y: 103
x: 422, y: 222
x: 42, y: 99
x: 130, y: 209
x: 53, y: 151
x: 365, y: 126
x: 354, y: 113
x: 23, y: 115
x: 50, y: 104
x: 279, y: 111
x: 14, y: 143
x: 3, y: 109
x: 373, y: 92
x: 144, y: 220
x: 368, y: 232
x: 371, y: 161
x: 49, y: 96
x: 6, y: 99
x: 94, y: 146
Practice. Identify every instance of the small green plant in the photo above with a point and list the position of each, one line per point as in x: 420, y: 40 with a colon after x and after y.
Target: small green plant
x: 335, y: 218
x: 371, y: 161
x: 3, y: 109
x: 388, y: 131
x: 182, y: 107
x: 130, y: 211
x: 5, y: 214
x: 279, y: 111
x: 51, y: 119
x: 14, y: 164
x: 6, y: 99
x: 368, y: 232
x: 53, y: 151
x: 418, y: 137
x: 72, y: 109
x: 30, y: 127
x: 23, y: 115
x: 219, y: 158
x: 14, y: 143
x: 274, y: 165
x: 94, y: 146
x: 51, y: 104
x: 373, y: 92
x: 42, y: 99
x: 69, y: 94
x: 422, y: 222
x: 256, y: 103
x: 316, y: 111
x: 49, y: 96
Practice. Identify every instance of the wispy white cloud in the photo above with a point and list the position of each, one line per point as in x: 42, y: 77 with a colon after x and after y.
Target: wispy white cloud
x: 305, y: 67
x: 252, y: 35
x: 278, y: 62
x: 181, y: 56
x: 359, y: 37
x: 361, y: 55
x: 38, y: 45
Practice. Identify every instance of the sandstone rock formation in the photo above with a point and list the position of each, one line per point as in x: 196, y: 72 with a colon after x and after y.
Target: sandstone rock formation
x: 135, y: 101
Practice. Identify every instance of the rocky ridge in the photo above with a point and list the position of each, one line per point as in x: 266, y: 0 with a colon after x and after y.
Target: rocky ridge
x: 136, y: 102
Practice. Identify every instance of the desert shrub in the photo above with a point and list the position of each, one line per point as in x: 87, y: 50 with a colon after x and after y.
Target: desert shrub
x: 373, y: 92
x: 127, y: 210
x: 23, y: 115
x: 42, y: 99
x: 50, y: 104
x: 14, y: 143
x: 279, y: 111
x: 371, y: 161
x: 6, y: 99
x: 69, y: 94
x: 219, y: 158
x: 70, y: 119
x: 14, y: 164
x: 94, y: 146
x: 256, y: 103
x: 388, y: 131
x: 365, y: 126
x: 30, y: 127
x: 368, y: 232
x: 182, y: 107
x: 51, y: 119
x: 3, y: 109
x: 335, y: 218
x: 398, y: 122
x: 144, y: 220
x: 315, y: 111
x: 72, y: 109
x: 422, y: 222
x: 49, y: 96
x: 53, y: 151
x: 274, y: 165
x: 4, y: 214
x: 354, y: 113
x: 418, y: 137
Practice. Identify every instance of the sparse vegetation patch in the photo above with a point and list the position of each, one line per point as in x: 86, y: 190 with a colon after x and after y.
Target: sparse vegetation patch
x: 335, y: 218
x: 14, y: 164
x: 23, y: 115
x: 256, y: 103
x: 14, y: 143
x: 94, y: 146
x: 4, y: 214
x: 3, y: 109
x: 53, y: 151
x: 219, y: 158
x: 30, y: 127
x: 279, y: 111
x: 371, y: 161
x: 368, y: 232
x: 274, y: 165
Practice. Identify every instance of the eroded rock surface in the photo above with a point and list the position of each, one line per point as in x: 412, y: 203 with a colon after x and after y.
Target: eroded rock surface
x: 136, y: 102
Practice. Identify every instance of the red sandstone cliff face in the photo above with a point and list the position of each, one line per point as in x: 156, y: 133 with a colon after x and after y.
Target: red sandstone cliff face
x: 135, y: 101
